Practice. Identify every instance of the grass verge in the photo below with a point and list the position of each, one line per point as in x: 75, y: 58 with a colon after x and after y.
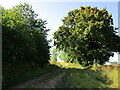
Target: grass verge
x: 106, y: 76
x: 78, y: 78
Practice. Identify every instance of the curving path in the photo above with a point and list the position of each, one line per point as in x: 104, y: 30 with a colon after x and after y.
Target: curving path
x: 49, y: 80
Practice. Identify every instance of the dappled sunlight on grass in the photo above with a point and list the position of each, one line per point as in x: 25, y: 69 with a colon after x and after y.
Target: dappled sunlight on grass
x: 106, y: 76
x: 112, y: 72
x: 67, y: 65
x: 80, y: 78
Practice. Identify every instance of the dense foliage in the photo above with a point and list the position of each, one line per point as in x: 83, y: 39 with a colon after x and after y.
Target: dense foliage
x: 54, y: 54
x: 24, y: 36
x: 66, y: 57
x: 88, y: 35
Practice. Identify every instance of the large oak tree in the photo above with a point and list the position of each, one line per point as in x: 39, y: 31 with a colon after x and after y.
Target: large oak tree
x: 88, y: 35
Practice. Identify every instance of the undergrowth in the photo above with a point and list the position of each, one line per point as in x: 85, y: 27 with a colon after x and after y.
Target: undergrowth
x: 15, y: 74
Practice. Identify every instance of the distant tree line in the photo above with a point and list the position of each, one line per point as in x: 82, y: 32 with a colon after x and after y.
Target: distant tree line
x: 114, y: 63
x: 24, y: 36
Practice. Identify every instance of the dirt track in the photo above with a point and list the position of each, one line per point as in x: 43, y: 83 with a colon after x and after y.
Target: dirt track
x: 49, y: 80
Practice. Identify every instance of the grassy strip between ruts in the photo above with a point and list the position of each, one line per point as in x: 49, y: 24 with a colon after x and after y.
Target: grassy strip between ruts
x: 16, y: 74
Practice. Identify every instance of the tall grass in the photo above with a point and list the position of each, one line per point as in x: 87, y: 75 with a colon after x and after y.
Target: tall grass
x: 113, y: 72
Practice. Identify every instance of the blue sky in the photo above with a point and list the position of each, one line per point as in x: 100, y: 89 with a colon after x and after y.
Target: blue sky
x: 53, y: 12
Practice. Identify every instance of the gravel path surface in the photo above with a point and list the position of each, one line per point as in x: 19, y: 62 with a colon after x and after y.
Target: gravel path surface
x: 49, y: 80
x: 51, y: 83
